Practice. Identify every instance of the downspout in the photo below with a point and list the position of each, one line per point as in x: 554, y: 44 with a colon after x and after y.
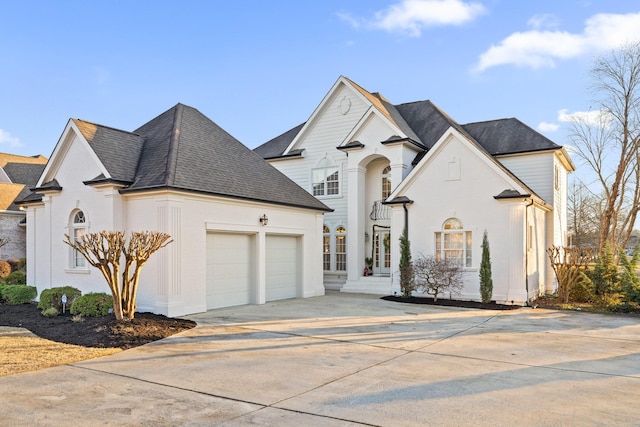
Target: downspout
x: 526, y: 247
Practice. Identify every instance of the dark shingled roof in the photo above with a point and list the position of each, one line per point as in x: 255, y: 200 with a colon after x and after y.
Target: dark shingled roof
x: 24, y: 173
x: 183, y: 149
x: 425, y: 123
x: 276, y: 146
x: 118, y: 150
x: 509, y: 136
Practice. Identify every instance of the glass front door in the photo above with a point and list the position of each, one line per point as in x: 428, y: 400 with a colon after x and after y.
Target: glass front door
x: 381, y: 252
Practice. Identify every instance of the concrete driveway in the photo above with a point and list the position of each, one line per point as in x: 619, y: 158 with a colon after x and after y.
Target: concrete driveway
x: 342, y: 360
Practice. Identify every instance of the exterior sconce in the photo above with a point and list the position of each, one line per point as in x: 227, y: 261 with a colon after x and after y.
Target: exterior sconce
x: 264, y: 220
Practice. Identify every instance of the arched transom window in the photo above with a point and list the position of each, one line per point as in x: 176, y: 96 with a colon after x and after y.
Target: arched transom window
x: 454, y: 243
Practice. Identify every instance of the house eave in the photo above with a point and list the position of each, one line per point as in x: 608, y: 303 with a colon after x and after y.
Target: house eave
x: 211, y: 193
x: 396, y: 140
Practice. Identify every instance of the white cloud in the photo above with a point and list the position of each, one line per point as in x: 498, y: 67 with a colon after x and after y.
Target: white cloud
x: 6, y: 138
x: 591, y: 118
x: 545, y: 20
x: 412, y: 16
x: 548, y: 127
x: 542, y: 48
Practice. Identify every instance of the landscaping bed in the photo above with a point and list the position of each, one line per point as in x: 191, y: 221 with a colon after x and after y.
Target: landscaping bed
x: 98, y: 332
x: 451, y: 303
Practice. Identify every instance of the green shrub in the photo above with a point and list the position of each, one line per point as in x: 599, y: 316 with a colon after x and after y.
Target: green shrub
x: 18, y: 294
x: 53, y: 297
x: 16, y: 278
x: 2, y: 286
x: 18, y: 264
x: 93, y: 304
x: 50, y: 312
x: 5, y: 269
x: 582, y: 290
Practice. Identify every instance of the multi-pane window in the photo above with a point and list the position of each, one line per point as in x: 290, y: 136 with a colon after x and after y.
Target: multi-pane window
x: 78, y: 227
x: 454, y: 243
x: 326, y: 248
x: 341, y: 248
x: 386, y: 182
x: 325, y: 181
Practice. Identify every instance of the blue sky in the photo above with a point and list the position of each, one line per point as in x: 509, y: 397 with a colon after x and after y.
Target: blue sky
x: 258, y: 68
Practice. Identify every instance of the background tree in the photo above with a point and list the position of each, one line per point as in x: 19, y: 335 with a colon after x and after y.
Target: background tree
x: 486, y: 281
x: 435, y: 277
x: 584, y: 213
x: 105, y: 251
x: 610, y: 146
x: 407, y: 285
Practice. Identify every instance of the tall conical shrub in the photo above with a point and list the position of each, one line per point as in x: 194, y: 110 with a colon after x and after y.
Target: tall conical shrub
x: 406, y: 266
x: 486, y: 282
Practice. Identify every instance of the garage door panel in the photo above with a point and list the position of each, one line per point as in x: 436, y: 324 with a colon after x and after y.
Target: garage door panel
x: 229, y: 270
x: 282, y: 267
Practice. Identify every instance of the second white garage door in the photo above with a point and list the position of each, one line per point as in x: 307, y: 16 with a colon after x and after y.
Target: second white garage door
x: 283, y: 267
x: 230, y: 270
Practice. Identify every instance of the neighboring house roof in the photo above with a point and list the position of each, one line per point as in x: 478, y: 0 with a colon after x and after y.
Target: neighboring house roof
x: 425, y: 123
x: 15, y: 158
x: 23, y: 172
x: 184, y: 150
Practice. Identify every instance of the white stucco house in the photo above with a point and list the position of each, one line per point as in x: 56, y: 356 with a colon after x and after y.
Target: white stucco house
x: 384, y: 167
x: 243, y: 232
x: 17, y: 174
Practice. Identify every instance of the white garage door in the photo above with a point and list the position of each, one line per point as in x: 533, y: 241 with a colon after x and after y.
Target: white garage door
x: 283, y: 265
x: 229, y: 270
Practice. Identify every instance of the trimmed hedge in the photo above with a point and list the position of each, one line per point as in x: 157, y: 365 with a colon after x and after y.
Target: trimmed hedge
x: 18, y: 294
x: 92, y: 304
x: 16, y: 278
x: 53, y: 297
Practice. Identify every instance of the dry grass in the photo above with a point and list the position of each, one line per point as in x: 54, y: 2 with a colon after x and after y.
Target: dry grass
x: 23, y: 351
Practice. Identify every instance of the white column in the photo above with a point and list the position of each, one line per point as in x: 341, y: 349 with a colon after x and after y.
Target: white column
x: 356, y: 223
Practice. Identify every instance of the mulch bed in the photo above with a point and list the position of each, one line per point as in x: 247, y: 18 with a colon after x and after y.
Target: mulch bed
x: 451, y: 303
x: 99, y: 332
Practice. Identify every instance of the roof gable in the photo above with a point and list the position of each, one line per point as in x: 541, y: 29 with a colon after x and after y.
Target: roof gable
x: 508, y: 136
x: 452, y: 133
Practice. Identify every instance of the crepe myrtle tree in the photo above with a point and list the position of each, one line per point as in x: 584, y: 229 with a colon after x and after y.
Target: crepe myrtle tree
x: 435, y: 276
x: 106, y: 251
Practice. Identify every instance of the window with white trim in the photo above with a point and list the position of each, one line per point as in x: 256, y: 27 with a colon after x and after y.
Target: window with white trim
x: 325, y: 181
x: 454, y: 243
x: 341, y: 248
x: 326, y: 248
x: 78, y: 229
x: 386, y: 182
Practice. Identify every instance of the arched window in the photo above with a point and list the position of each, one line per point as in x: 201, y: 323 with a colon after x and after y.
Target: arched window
x: 341, y: 248
x: 454, y: 243
x: 386, y: 182
x: 326, y: 248
x: 78, y: 229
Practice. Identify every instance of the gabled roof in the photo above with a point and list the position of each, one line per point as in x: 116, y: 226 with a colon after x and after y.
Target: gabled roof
x: 117, y: 150
x: 425, y: 123
x: 23, y: 172
x: 182, y: 149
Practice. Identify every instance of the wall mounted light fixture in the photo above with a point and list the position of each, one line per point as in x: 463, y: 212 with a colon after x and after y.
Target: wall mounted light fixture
x: 264, y: 220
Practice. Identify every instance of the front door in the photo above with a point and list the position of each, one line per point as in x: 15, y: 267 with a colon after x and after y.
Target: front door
x: 381, y: 252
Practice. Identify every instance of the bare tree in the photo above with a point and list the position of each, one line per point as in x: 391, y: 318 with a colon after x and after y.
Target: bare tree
x: 434, y: 277
x: 584, y: 211
x: 4, y: 241
x: 610, y: 147
x: 569, y: 264
x: 105, y: 250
